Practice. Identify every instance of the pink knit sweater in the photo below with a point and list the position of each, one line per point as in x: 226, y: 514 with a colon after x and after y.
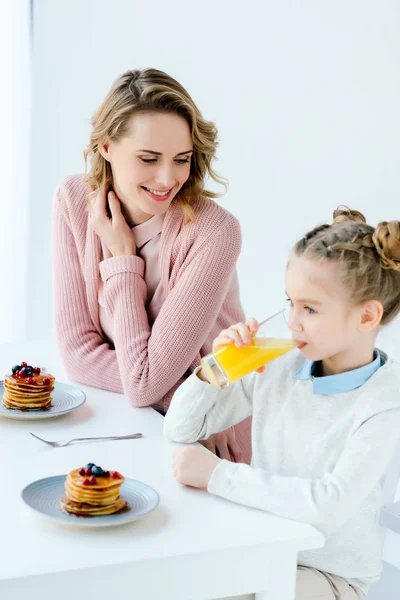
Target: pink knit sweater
x: 197, y: 265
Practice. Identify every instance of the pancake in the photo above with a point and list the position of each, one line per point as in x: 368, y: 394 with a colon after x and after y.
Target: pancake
x: 86, y: 510
x: 28, y: 388
x: 90, y: 491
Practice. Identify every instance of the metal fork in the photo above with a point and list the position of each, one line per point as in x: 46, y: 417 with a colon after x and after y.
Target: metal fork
x: 62, y: 443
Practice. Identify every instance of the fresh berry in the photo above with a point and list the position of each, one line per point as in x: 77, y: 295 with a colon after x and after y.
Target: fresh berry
x: 98, y: 471
x: 28, y: 370
x: 106, y: 474
x: 116, y: 475
x: 86, y: 482
x: 24, y: 364
x: 89, y: 465
x: 15, y: 369
x: 31, y: 380
x: 88, y: 471
x: 82, y: 472
x: 21, y: 372
x: 92, y: 481
x: 46, y: 381
x: 36, y: 370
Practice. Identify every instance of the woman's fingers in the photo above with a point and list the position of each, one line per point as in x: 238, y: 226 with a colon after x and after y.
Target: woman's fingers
x: 100, y: 202
x: 97, y: 205
x: 209, y: 444
x: 114, y: 204
x: 235, y: 451
x: 222, y: 450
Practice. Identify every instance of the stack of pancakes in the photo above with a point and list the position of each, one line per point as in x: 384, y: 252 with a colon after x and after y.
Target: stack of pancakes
x: 97, y: 498
x: 20, y: 395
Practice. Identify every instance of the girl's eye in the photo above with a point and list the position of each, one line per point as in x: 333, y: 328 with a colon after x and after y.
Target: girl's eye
x: 310, y: 310
x: 148, y: 160
x: 183, y: 161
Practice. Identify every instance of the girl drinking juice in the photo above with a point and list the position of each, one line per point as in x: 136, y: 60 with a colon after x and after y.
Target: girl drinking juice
x: 326, y: 416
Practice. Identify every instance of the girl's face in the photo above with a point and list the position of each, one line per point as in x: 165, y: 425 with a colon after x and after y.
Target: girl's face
x: 322, y: 315
x: 151, y: 163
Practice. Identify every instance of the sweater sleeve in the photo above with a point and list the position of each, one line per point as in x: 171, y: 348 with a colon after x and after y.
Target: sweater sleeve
x: 329, y: 501
x: 198, y: 410
x: 151, y: 360
x: 87, y: 357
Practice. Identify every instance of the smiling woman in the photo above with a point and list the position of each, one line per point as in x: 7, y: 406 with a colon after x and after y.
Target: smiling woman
x: 144, y: 259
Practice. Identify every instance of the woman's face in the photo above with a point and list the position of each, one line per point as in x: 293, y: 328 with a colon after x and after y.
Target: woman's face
x: 151, y: 163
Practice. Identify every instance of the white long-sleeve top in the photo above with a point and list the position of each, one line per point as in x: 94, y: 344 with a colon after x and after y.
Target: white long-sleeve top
x: 317, y: 457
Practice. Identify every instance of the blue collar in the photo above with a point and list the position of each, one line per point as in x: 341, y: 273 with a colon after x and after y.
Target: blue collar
x: 342, y: 382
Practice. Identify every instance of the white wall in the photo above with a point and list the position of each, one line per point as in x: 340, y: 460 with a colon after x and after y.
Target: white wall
x: 14, y: 170
x: 305, y: 95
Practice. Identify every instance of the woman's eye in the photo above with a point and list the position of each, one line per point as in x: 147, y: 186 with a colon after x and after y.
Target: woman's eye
x: 310, y: 310
x: 290, y: 302
x: 179, y: 161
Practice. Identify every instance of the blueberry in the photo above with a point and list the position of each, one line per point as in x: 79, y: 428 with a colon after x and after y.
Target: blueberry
x: 97, y: 471
x: 28, y: 371
x: 89, y: 465
x: 16, y: 368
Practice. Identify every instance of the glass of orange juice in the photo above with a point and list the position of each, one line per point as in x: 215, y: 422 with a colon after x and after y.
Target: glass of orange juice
x: 229, y: 363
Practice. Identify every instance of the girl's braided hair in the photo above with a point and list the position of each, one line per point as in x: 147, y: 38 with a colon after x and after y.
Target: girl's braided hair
x: 368, y: 257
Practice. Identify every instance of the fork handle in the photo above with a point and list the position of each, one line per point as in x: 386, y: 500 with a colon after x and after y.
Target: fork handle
x: 131, y: 436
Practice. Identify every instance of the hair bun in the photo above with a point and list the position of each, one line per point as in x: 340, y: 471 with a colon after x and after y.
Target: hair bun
x: 344, y: 213
x: 386, y: 239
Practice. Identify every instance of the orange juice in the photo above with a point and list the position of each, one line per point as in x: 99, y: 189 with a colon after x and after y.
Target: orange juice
x: 236, y: 362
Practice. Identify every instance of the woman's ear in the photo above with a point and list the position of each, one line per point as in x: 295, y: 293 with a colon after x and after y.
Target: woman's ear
x: 104, y: 149
x: 371, y: 315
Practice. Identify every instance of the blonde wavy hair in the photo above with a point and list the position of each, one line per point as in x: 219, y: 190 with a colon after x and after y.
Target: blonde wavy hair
x: 368, y: 257
x: 150, y: 90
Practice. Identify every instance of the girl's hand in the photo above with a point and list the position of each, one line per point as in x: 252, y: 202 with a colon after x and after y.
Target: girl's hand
x: 224, y: 445
x: 240, y: 334
x: 114, y: 232
x: 193, y: 466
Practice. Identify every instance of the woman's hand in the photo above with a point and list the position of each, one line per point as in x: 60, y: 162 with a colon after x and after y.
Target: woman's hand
x: 193, y: 466
x: 113, y: 231
x: 224, y: 445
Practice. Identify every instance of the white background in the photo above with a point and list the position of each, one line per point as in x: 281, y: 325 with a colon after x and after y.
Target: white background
x: 15, y: 114
x: 305, y: 96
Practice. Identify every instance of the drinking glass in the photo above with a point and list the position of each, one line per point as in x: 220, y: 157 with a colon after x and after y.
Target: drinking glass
x: 228, y: 363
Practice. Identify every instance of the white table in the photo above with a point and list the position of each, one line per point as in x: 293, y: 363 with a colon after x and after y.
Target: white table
x: 193, y: 547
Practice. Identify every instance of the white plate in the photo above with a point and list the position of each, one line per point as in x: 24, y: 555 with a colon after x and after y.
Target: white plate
x: 44, y: 496
x: 65, y: 398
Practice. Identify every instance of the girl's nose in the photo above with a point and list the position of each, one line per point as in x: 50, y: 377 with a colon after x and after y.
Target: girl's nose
x: 294, y: 323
